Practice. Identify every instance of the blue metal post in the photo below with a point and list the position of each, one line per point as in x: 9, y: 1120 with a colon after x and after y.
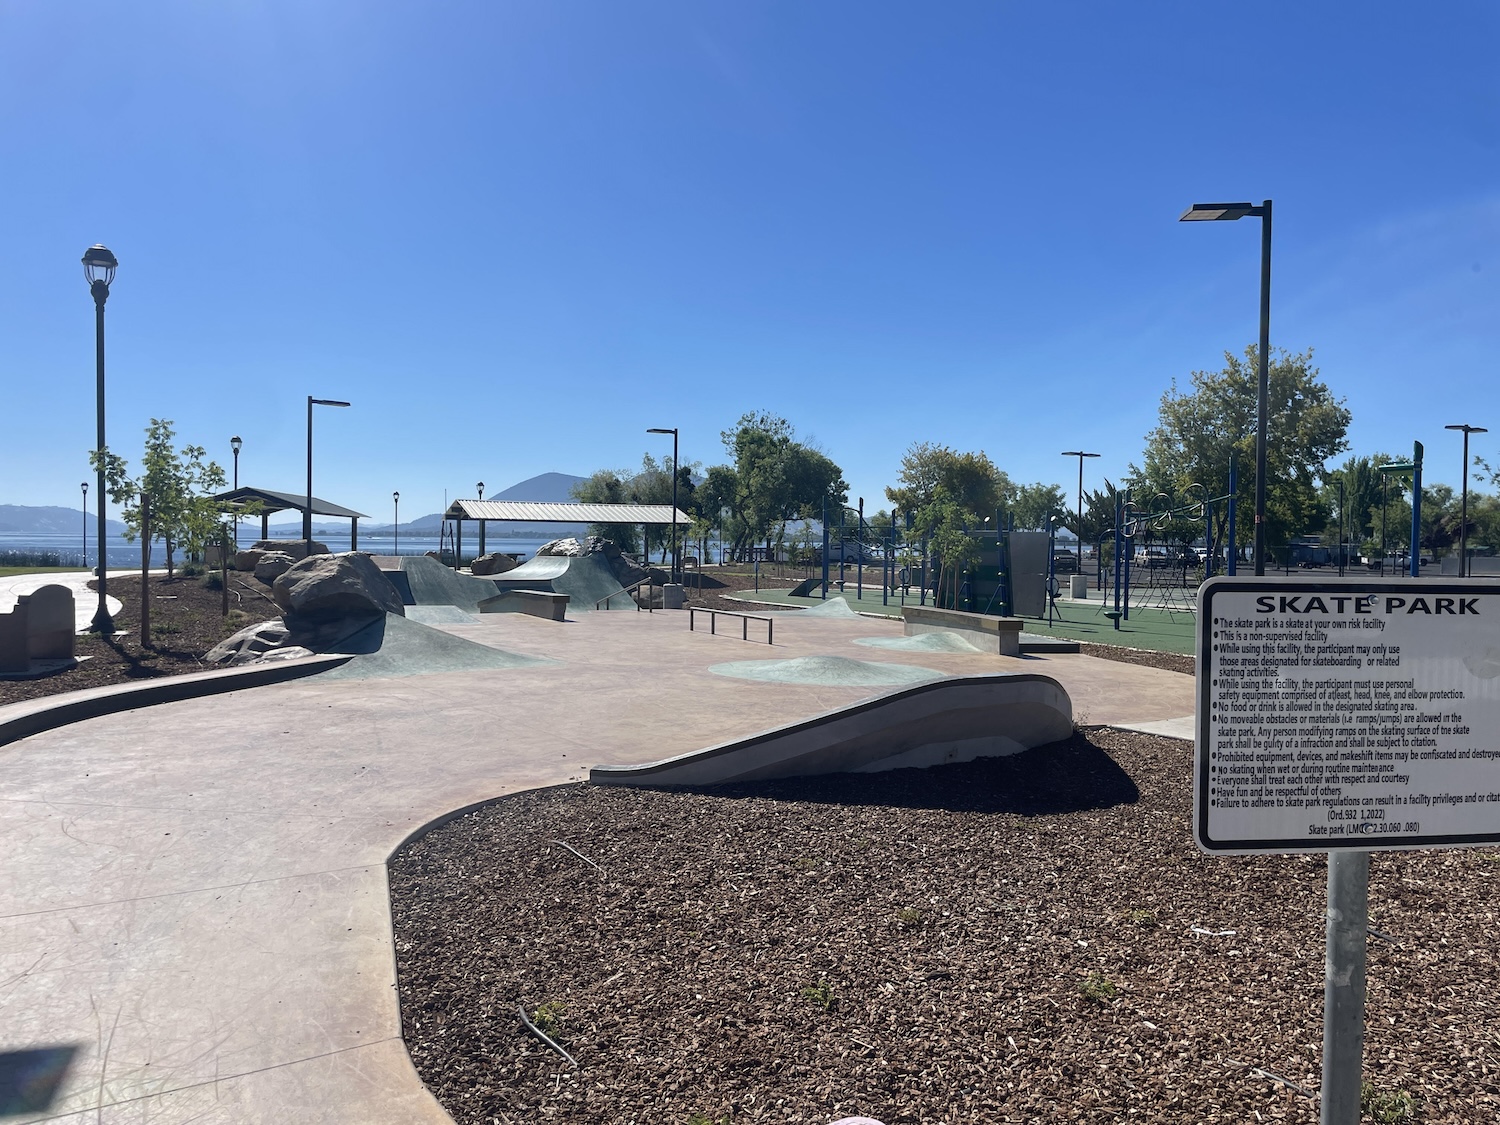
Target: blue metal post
x: 859, y: 562
x: 1416, y: 510
x: 1208, y: 536
x: 1232, y: 556
x: 1125, y: 614
x: 890, y: 564
x: 825, y: 546
x: 1119, y: 549
x: 843, y: 542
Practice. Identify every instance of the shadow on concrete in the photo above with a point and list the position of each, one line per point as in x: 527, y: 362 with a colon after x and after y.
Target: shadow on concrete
x: 1063, y: 777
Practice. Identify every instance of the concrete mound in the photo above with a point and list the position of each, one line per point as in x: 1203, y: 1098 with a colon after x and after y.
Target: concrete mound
x: 832, y: 671
x: 833, y: 607
x: 399, y: 646
x: 922, y: 642
x: 586, y: 579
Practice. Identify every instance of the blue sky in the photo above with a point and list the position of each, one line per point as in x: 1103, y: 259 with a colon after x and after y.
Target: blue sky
x: 515, y: 235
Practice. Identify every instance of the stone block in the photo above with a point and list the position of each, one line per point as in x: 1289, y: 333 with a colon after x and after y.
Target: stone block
x: 51, y: 625
x: 272, y: 565
x: 13, y: 654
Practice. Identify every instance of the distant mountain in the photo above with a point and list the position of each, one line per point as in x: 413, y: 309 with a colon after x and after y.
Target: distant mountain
x: 549, y: 488
x: 18, y: 519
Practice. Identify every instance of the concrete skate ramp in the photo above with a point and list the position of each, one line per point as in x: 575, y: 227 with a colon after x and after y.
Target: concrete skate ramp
x: 921, y: 642
x: 954, y: 720
x: 399, y: 646
x: 432, y: 583
x: 439, y: 615
x: 831, y: 671
x: 586, y: 579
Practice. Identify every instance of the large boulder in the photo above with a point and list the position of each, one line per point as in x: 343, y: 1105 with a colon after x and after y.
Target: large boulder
x: 492, y: 564
x: 297, y: 548
x: 250, y: 644
x: 247, y: 559
x: 272, y: 565
x: 348, y: 584
x: 569, y: 547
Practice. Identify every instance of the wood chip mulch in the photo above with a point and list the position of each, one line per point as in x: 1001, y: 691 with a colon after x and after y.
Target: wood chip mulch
x: 1016, y: 940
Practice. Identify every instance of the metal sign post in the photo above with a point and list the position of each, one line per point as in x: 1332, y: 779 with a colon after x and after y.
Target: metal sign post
x: 1346, y: 717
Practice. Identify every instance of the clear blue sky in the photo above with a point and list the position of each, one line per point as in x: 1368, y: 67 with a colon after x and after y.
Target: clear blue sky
x: 517, y: 234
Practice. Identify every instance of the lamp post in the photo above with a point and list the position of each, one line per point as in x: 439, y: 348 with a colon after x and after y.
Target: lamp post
x: 234, y: 444
x: 99, y: 267
x: 1228, y: 211
x: 307, y: 513
x: 673, y: 432
x: 396, y: 500
x: 480, y: 487
x: 85, y: 487
x: 1463, y: 527
x: 1079, y: 529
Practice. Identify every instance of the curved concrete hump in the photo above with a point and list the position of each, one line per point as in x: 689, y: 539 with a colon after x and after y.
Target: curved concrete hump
x: 954, y: 720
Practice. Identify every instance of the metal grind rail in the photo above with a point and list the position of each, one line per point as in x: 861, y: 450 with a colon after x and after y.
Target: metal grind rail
x: 651, y: 588
x: 745, y: 619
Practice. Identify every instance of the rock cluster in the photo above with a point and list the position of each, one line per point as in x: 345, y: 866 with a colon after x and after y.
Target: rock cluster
x: 294, y: 549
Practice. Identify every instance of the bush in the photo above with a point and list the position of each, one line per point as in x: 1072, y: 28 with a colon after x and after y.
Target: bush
x: 213, y: 580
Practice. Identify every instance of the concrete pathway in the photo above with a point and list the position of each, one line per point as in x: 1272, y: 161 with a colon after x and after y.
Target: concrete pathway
x: 195, y: 893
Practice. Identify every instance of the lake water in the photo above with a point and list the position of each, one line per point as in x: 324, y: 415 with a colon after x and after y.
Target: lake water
x: 121, y: 553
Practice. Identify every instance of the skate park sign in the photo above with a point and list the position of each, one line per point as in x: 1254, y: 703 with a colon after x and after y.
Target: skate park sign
x: 1347, y: 715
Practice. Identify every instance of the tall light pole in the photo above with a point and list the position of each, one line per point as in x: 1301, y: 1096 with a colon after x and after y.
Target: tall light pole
x: 307, y: 514
x: 673, y: 432
x: 1080, y: 454
x: 234, y: 444
x: 1463, y: 527
x: 85, y: 487
x: 480, y: 487
x: 396, y: 500
x: 99, y: 267
x: 1229, y: 211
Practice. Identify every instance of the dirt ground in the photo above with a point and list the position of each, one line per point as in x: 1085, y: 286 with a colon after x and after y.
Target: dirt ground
x: 1016, y: 940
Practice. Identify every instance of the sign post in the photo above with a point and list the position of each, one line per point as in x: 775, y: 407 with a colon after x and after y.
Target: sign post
x: 1345, y: 717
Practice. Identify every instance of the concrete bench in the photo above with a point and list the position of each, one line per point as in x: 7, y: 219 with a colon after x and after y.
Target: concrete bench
x: 993, y: 634
x: 538, y: 603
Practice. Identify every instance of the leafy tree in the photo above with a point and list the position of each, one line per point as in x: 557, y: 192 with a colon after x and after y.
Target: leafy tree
x: 177, y: 485
x: 1197, y: 430
x: 969, y: 480
x: 776, y: 478
x: 606, y: 486
x: 1361, y: 492
x: 1034, y: 504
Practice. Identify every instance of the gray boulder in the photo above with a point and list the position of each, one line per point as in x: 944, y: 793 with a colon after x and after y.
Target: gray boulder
x: 569, y: 547
x: 492, y: 564
x: 297, y: 548
x: 272, y: 565
x: 250, y: 644
x: 346, y: 585
x: 246, y: 560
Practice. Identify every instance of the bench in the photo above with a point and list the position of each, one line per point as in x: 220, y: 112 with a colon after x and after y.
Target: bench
x: 993, y: 634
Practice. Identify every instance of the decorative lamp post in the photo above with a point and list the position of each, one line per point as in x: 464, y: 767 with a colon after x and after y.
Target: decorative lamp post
x: 1463, y: 527
x: 480, y: 487
x: 307, y: 512
x: 673, y: 432
x: 1080, y: 454
x: 1228, y: 211
x: 85, y: 487
x: 99, y: 267
x: 396, y: 500
x: 234, y: 444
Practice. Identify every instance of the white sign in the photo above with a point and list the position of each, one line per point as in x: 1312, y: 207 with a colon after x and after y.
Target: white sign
x: 1347, y: 714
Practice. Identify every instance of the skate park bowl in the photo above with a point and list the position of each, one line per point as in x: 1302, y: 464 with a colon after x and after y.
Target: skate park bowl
x: 424, y: 581
x: 935, y: 723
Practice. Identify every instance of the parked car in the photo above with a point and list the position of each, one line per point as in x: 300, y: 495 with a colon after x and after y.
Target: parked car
x: 1064, y: 561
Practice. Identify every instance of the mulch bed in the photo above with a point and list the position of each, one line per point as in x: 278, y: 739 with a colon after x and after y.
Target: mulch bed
x: 1015, y: 940
x: 187, y: 620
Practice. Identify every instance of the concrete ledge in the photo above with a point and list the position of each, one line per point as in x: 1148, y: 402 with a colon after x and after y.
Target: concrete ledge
x: 537, y: 603
x: 992, y: 634
x: 33, y: 716
x: 955, y: 720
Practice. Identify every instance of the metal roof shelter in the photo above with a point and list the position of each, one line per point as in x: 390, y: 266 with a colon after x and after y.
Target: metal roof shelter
x: 272, y: 502
x: 527, y: 511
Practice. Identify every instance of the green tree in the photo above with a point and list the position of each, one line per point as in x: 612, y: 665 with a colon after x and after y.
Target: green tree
x: 607, y: 486
x: 1197, y: 430
x: 776, y: 478
x: 177, y: 485
x: 969, y: 480
x: 1034, y: 504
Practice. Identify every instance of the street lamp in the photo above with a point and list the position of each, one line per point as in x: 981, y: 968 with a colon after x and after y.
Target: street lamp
x: 673, y: 432
x: 396, y: 500
x: 85, y: 487
x: 480, y: 487
x: 234, y: 444
x: 1463, y: 527
x: 1079, y: 529
x: 1211, y: 212
x: 99, y: 267
x: 307, y: 514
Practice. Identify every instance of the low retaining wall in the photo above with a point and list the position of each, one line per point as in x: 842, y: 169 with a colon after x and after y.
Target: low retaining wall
x: 537, y: 603
x: 992, y: 634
